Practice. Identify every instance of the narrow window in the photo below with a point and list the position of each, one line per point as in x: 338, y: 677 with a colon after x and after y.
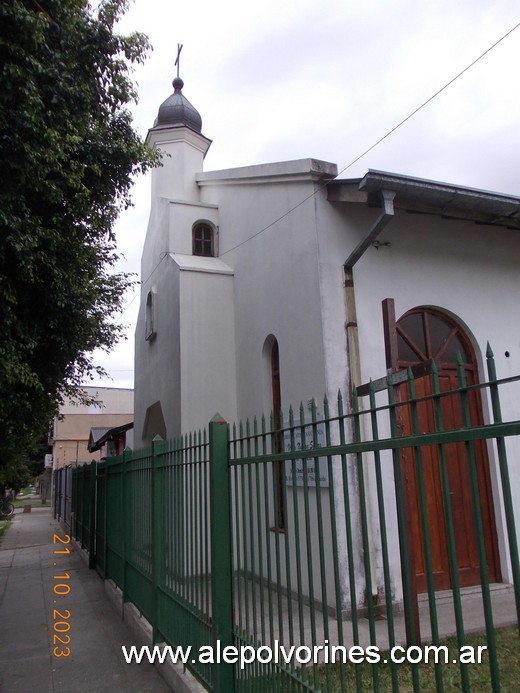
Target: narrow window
x: 279, y: 466
x: 203, y: 240
x: 150, y: 316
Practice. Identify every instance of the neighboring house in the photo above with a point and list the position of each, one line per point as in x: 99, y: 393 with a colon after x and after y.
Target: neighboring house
x: 112, y: 407
x: 280, y: 282
x: 110, y: 441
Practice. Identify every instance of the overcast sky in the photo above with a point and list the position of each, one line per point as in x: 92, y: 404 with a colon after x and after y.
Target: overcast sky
x: 291, y: 79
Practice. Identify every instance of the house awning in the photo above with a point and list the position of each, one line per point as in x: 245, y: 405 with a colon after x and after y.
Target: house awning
x: 99, y: 436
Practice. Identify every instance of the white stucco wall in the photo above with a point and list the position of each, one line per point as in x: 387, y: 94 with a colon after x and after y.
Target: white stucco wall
x: 467, y: 270
x: 182, y: 216
x: 277, y: 290
x: 207, y: 342
x: 157, y: 376
x: 277, y: 295
x: 182, y: 153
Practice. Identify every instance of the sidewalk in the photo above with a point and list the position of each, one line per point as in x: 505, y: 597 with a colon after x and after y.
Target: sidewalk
x: 28, y: 598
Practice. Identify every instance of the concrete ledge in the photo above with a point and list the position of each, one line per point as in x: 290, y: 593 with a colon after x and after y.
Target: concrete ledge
x: 82, y: 553
x: 179, y: 679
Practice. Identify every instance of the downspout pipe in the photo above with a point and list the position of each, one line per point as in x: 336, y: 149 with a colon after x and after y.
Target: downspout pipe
x: 387, y: 198
x: 351, y: 326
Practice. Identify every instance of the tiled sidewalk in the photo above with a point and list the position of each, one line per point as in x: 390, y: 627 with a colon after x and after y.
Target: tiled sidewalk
x: 28, y: 566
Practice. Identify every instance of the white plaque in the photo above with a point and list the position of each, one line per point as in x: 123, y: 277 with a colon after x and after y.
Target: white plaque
x: 314, y: 439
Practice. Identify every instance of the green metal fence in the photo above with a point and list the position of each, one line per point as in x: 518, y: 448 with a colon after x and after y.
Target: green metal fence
x: 298, y: 534
x: 62, y: 495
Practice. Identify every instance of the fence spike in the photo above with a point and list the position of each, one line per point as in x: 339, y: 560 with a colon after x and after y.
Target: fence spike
x: 460, y: 371
x: 340, y: 404
x: 326, y: 413
x: 435, y: 379
x: 489, y: 351
x: 355, y: 399
x: 313, y: 409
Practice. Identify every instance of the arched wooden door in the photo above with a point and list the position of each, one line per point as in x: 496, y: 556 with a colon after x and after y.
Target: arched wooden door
x: 419, y: 336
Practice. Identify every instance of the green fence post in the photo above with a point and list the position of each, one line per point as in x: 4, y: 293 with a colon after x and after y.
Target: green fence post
x: 221, y: 562
x: 81, y: 502
x: 411, y: 611
x: 505, y: 481
x: 106, y: 464
x: 92, y: 517
x: 74, y: 502
x: 157, y: 534
x: 127, y: 456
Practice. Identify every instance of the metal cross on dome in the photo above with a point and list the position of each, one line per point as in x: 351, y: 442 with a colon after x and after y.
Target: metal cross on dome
x: 177, y: 61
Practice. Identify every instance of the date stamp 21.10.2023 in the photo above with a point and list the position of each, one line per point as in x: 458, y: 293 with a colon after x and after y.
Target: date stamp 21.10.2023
x: 61, y: 616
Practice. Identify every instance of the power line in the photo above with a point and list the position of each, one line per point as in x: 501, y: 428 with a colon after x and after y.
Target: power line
x: 381, y: 139
x: 425, y: 103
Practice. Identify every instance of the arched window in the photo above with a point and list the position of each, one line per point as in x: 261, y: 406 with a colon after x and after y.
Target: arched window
x: 203, y: 240
x: 425, y: 333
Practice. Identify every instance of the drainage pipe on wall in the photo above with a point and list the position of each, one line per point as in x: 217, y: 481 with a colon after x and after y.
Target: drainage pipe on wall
x: 353, y: 351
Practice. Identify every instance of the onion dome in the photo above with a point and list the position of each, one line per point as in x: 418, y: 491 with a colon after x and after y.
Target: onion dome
x: 177, y: 111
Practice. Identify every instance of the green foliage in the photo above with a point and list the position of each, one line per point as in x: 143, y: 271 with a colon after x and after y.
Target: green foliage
x: 4, y: 524
x: 35, y: 467
x: 15, y: 476
x: 508, y: 661
x: 67, y: 156
x: 35, y: 458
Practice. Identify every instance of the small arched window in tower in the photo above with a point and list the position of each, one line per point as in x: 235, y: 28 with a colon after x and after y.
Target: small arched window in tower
x: 203, y: 240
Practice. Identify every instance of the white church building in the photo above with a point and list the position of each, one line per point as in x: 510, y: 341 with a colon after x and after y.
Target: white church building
x: 271, y: 284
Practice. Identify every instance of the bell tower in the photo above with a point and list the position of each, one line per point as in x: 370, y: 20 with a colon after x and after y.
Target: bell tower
x: 177, y: 134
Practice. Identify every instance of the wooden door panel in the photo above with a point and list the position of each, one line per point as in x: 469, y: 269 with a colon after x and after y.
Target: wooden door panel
x: 459, y: 491
x: 420, y: 335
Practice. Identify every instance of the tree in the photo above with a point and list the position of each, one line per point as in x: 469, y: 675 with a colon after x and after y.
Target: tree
x: 68, y: 152
x: 15, y: 477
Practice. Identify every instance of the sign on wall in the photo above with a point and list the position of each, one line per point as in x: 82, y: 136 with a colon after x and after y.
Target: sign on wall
x: 314, y: 438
